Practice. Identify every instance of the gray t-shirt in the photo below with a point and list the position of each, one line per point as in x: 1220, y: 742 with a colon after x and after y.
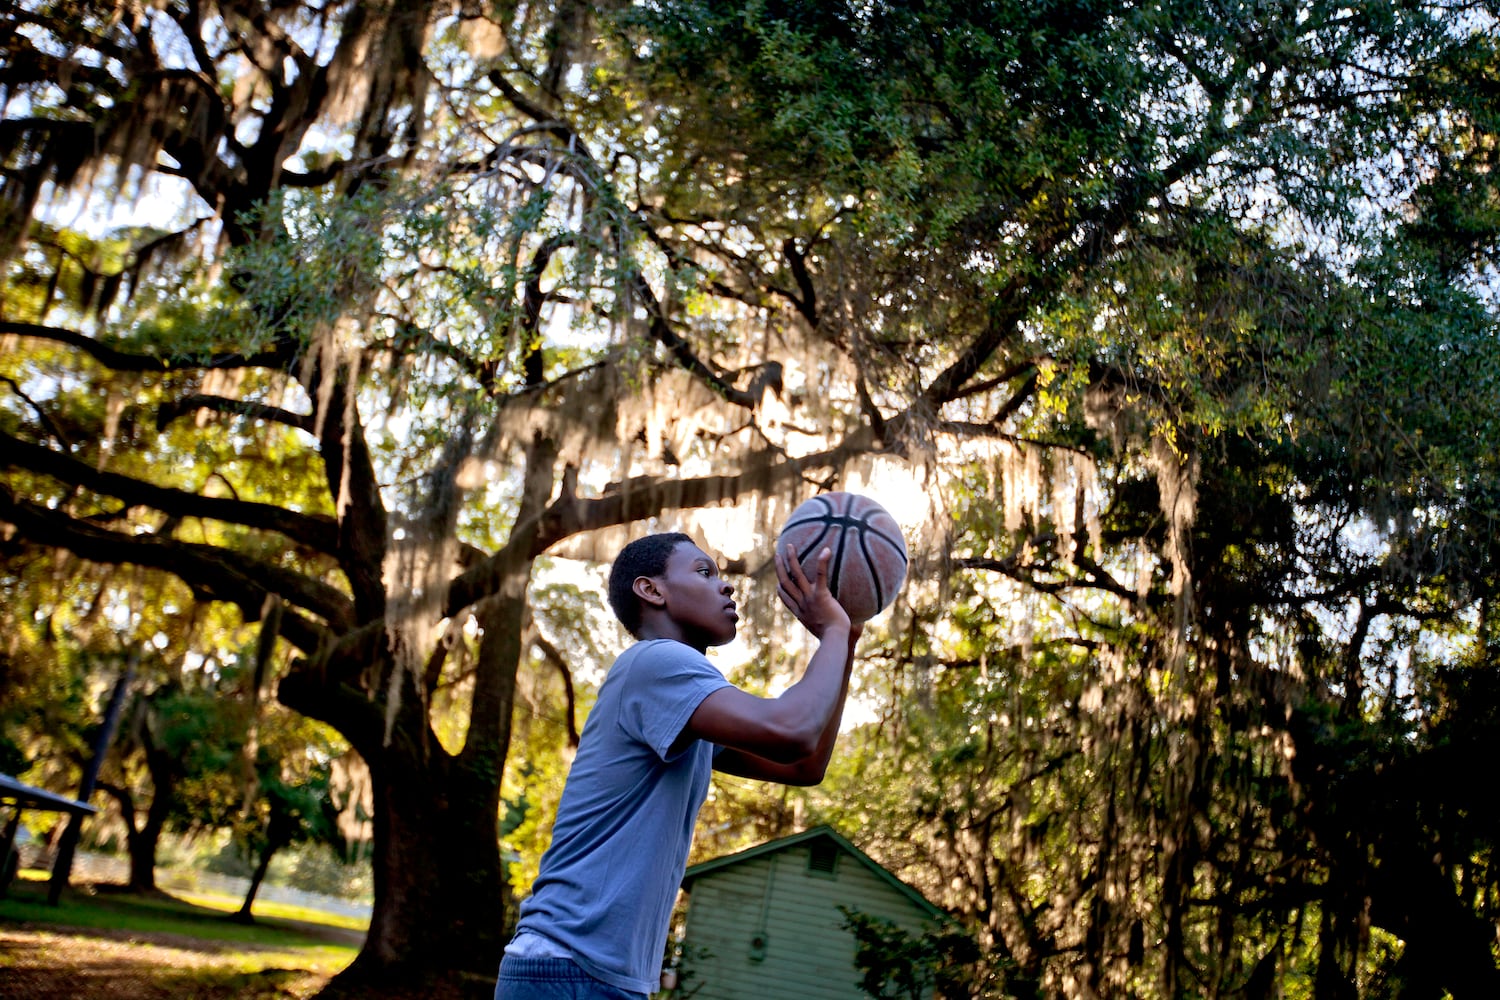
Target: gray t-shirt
x: 620, y: 842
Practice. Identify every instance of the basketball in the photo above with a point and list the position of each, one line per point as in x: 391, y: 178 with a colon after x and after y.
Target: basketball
x: 869, y: 555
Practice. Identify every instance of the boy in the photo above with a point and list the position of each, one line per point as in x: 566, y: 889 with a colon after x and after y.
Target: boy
x: 595, y: 924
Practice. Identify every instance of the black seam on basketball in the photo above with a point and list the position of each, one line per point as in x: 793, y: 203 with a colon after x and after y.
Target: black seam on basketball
x: 896, y: 543
x: 842, y: 520
x: 896, y: 548
x: 827, y: 511
x: 804, y: 553
x: 874, y: 574
x: 838, y: 565
x: 811, y: 518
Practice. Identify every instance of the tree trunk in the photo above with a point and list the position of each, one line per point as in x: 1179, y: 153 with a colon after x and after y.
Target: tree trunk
x: 244, y: 914
x: 437, y: 929
x: 142, y: 846
x: 437, y: 849
x: 438, y: 924
x: 1449, y: 948
x: 143, y: 843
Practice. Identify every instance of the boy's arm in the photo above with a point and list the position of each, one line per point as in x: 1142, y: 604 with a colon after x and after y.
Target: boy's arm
x: 788, y: 738
x: 810, y: 769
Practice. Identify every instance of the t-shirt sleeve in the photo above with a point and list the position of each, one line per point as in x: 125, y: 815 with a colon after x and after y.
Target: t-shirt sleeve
x: 666, y: 685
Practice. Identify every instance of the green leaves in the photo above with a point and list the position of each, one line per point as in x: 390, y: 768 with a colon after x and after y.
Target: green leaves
x: 897, y: 965
x: 1189, y: 306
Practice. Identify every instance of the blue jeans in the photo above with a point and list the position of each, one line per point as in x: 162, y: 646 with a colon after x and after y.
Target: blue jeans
x: 552, y: 979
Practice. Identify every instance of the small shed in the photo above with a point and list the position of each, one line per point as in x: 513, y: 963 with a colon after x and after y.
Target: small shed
x: 766, y: 922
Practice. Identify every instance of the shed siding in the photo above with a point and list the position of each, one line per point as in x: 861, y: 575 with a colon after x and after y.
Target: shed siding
x: 808, y: 952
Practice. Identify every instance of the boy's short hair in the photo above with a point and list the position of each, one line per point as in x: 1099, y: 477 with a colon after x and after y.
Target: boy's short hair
x: 643, y: 557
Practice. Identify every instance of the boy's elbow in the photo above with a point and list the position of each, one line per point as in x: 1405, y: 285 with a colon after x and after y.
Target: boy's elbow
x: 811, y: 767
x: 791, y: 750
x: 808, y: 746
x: 809, y: 774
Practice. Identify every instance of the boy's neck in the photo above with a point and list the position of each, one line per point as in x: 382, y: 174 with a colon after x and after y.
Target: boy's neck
x: 663, y: 627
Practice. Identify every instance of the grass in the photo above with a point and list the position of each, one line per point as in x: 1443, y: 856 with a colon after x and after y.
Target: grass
x: 121, y: 945
x: 171, y: 915
x: 269, y: 908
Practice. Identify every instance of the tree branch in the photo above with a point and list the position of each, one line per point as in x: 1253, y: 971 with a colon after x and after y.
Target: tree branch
x: 313, y: 530
x: 1010, y: 305
x: 174, y: 408
x: 796, y: 260
x: 212, y: 573
x: 554, y: 656
x: 633, y: 500
x: 280, y: 356
x: 362, y: 517
x: 1095, y: 576
x: 682, y: 352
x: 502, y: 615
x: 41, y: 414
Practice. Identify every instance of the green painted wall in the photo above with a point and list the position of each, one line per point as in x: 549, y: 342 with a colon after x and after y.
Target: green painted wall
x: 807, y: 954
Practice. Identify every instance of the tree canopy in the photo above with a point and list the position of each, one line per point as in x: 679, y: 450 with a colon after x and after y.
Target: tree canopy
x: 1182, y: 315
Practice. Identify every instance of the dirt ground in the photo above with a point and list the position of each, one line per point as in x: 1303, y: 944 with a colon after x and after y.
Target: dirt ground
x: 60, y: 964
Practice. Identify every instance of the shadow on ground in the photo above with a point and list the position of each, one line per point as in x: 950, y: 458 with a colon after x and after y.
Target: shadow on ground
x: 54, y: 963
x: 108, y: 944
x: 145, y: 948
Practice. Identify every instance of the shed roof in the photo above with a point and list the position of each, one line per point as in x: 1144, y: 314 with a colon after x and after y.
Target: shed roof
x: 31, y: 797
x: 816, y: 833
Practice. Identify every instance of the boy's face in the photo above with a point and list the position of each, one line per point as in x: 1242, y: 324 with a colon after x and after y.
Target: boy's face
x: 697, y: 599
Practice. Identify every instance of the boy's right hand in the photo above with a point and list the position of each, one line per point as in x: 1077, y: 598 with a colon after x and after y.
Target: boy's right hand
x: 811, y: 601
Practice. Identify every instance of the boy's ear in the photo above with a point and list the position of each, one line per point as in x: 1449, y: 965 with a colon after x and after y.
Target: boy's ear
x: 646, y: 589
